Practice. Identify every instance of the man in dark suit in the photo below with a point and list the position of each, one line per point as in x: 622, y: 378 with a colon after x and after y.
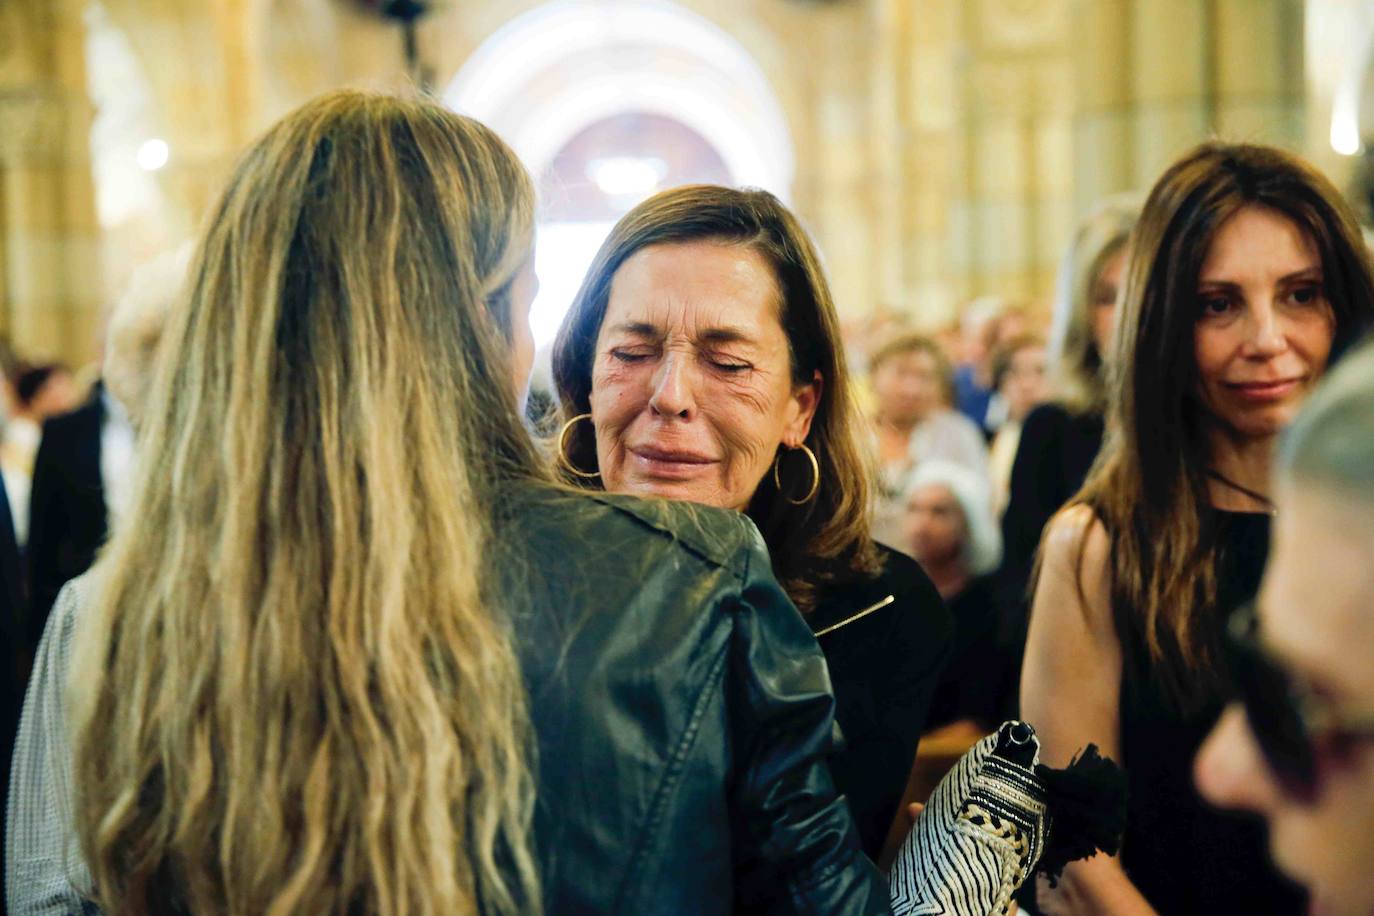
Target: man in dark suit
x: 67, y: 511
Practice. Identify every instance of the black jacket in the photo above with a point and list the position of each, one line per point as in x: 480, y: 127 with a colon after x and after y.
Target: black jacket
x: 885, y: 666
x: 1056, y: 451
x: 976, y: 679
x: 67, y: 517
x: 682, y: 711
x: 1055, y: 454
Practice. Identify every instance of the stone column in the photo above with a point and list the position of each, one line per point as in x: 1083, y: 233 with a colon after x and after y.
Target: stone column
x: 1156, y: 77
x: 930, y: 114
x: 1260, y: 70
x: 1172, y: 82
x: 1014, y: 170
x: 834, y: 157
x: 884, y: 185
x: 1103, y: 137
x: 50, y: 289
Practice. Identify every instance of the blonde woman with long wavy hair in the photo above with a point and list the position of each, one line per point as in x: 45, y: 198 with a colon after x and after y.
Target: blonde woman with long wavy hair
x: 293, y: 692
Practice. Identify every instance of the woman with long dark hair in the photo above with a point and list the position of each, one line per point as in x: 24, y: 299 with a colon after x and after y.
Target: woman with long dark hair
x: 1246, y: 278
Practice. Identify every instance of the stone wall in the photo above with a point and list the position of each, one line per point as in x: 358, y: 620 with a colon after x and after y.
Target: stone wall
x: 49, y: 289
x: 944, y: 148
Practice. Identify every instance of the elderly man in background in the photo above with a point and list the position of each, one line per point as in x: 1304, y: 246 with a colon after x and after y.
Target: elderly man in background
x: 1298, y: 746
x: 83, y: 465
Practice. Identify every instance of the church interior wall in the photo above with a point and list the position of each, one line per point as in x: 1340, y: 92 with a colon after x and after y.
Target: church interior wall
x: 943, y: 148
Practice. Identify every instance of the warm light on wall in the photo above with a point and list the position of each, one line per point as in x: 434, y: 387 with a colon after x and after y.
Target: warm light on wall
x: 627, y: 176
x: 1355, y: 31
x: 152, y: 155
x: 1345, y: 136
x: 561, y: 259
x: 606, y: 57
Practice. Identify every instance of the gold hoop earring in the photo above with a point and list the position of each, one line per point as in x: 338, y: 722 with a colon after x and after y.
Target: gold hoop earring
x: 564, y: 461
x: 815, y: 476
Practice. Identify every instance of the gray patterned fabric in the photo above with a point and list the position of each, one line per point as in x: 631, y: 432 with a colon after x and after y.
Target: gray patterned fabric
x: 44, y: 871
x: 979, y: 836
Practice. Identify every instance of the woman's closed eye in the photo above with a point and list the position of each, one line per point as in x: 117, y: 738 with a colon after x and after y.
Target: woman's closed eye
x: 631, y: 354
x: 728, y: 364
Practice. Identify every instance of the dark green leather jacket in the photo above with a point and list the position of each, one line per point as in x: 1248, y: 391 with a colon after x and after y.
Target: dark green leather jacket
x: 683, y: 714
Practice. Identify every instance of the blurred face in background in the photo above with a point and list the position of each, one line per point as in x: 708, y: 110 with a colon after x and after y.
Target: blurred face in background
x: 1024, y: 385
x: 1316, y: 613
x: 935, y: 527
x: 1103, y: 299
x: 908, y: 387
x: 1012, y: 324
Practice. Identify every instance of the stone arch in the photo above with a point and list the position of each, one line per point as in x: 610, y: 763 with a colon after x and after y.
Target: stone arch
x: 551, y: 71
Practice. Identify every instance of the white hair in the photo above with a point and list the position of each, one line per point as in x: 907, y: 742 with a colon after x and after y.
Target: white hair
x: 1331, y: 442
x: 983, y: 548
x: 136, y: 324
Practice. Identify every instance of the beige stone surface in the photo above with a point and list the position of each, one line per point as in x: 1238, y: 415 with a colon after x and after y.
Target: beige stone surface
x: 1168, y: 50
x: 1100, y: 36
x: 47, y: 207
x: 1253, y: 37
x: 943, y: 148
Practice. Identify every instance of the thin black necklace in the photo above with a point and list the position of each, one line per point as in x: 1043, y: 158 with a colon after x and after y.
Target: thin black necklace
x: 1221, y: 478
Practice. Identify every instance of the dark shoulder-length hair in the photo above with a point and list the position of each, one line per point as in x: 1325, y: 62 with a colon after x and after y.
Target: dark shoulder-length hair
x: 1149, y: 486
x: 826, y: 539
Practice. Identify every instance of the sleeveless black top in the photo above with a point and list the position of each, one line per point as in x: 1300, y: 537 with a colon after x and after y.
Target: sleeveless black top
x: 1183, y: 855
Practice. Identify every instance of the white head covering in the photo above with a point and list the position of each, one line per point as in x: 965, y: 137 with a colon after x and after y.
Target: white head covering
x: 983, y: 549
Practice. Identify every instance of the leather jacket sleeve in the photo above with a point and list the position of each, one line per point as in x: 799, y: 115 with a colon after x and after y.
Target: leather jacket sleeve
x: 797, y: 850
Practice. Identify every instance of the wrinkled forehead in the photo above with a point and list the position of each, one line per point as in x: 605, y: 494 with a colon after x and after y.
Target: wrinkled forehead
x: 1317, y: 601
x: 695, y: 290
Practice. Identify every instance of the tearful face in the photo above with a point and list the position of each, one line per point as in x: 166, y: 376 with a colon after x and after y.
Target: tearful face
x: 692, y: 389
